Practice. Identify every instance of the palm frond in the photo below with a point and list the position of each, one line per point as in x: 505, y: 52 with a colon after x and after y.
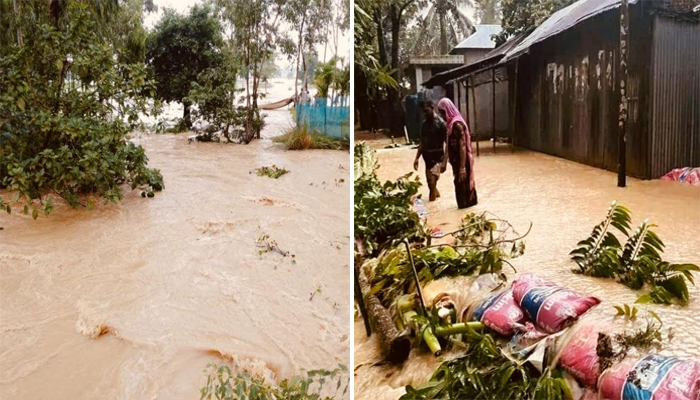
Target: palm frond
x: 593, y: 255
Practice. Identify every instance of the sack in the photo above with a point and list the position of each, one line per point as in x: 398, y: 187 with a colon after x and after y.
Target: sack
x: 500, y: 313
x: 653, y: 377
x: 579, y: 356
x: 549, y: 306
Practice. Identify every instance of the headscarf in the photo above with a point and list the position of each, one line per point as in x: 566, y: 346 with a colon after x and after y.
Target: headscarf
x: 452, y: 114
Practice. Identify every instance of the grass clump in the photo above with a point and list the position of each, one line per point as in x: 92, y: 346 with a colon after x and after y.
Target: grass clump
x: 222, y: 384
x: 271, y: 172
x: 303, y: 138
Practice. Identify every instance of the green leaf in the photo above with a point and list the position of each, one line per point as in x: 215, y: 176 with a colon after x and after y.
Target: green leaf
x: 35, y: 214
x: 644, y: 299
x: 20, y: 103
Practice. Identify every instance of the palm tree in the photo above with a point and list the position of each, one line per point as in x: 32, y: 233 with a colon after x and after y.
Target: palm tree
x: 444, y: 25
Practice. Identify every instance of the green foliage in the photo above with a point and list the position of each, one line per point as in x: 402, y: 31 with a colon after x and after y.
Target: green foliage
x: 612, y: 349
x: 378, y: 76
x: 383, y: 213
x: 222, y: 384
x: 253, y: 28
x: 215, y: 97
x: 67, y: 106
x: 522, y: 16
x: 302, y: 138
x: 272, y: 171
x: 329, y: 77
x: 593, y: 254
x: 637, y: 263
x: 179, y: 49
x: 477, y: 251
x: 483, y: 372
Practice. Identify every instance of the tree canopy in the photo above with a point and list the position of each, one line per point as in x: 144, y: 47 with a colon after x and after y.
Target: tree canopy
x: 180, y: 48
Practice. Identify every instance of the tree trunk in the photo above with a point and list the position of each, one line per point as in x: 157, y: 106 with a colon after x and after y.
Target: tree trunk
x: 300, y: 46
x: 395, y: 345
x: 383, y: 58
x: 186, y: 114
x: 443, y: 34
x: 20, y: 41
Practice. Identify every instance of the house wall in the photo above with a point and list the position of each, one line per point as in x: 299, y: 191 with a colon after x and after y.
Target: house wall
x: 480, y: 111
x: 568, y: 97
x: 675, y: 104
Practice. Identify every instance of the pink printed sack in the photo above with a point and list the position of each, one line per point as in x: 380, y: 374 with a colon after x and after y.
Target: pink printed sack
x: 550, y: 307
x: 653, y: 377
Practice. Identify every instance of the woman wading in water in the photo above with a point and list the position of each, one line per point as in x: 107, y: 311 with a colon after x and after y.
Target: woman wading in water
x: 459, y: 152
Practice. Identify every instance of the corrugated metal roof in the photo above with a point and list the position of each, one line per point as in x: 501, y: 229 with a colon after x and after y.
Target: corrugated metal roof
x: 562, y: 20
x: 481, y: 39
x: 492, y: 56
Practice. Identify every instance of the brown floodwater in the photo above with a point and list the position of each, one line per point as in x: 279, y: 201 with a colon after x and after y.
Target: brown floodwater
x: 564, y: 201
x: 132, y: 301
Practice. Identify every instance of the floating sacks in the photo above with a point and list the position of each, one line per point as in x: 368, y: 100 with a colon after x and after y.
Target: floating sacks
x: 551, y: 307
x: 653, y: 377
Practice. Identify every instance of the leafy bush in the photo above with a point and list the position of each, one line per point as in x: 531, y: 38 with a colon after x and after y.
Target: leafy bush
x: 67, y: 106
x: 637, y: 263
x: 222, y: 384
x: 383, y: 212
x: 302, y: 138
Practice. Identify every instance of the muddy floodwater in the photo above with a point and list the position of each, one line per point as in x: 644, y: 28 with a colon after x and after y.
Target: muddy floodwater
x: 132, y: 301
x: 564, y: 201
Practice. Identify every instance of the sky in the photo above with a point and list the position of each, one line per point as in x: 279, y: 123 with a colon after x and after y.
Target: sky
x: 182, y: 6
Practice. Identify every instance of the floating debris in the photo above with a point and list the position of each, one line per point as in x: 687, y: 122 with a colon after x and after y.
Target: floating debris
x: 272, y: 171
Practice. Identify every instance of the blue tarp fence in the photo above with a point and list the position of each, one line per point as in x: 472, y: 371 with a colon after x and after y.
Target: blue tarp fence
x: 326, y: 116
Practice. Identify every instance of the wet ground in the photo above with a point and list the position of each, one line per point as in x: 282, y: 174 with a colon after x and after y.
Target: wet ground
x: 132, y: 301
x: 564, y: 201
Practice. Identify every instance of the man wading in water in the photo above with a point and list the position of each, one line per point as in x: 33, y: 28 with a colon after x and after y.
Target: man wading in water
x: 459, y: 149
x: 433, y: 135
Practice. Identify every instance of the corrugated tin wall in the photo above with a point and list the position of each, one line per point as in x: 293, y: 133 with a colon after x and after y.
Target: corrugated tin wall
x: 480, y: 91
x: 568, y: 95
x: 675, y: 133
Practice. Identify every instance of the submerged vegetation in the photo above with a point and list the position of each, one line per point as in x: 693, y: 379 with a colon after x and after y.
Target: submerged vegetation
x: 72, y: 91
x: 223, y: 384
x: 303, y: 138
x: 382, y: 212
x: 635, y: 264
x: 483, y: 364
x: 272, y: 171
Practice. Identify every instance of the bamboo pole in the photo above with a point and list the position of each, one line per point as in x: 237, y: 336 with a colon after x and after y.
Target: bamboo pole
x: 461, y: 327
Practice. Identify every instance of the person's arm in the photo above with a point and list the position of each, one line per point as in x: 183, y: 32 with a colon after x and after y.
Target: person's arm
x: 418, y: 154
x: 462, y: 152
x: 446, y: 152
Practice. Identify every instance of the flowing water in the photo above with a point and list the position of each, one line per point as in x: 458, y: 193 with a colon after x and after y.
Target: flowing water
x: 132, y: 301
x: 564, y: 201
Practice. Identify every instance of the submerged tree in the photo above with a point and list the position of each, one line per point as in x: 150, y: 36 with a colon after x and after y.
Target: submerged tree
x: 253, y: 31
x: 67, y: 104
x: 179, y: 49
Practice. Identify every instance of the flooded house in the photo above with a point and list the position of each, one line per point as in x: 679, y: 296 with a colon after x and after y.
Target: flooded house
x: 563, y: 94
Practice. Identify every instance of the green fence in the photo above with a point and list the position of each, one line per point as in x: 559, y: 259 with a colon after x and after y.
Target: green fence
x: 326, y: 116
